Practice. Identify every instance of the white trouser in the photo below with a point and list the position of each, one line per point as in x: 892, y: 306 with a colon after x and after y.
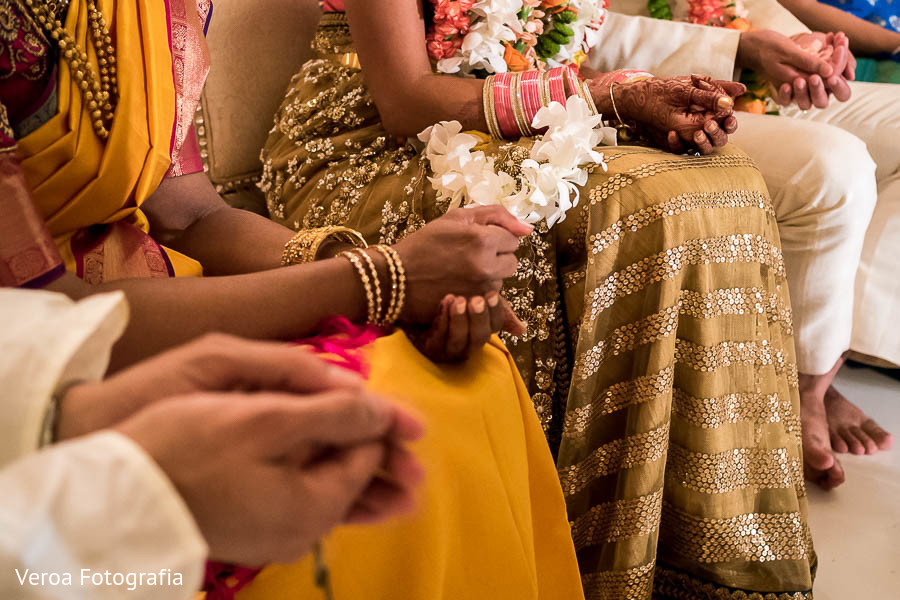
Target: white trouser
x: 822, y: 183
x: 873, y: 114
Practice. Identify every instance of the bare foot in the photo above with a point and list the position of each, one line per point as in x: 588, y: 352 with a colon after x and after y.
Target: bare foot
x: 819, y: 462
x: 850, y: 429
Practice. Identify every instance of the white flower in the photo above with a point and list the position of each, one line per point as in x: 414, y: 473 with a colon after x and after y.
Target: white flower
x: 550, y: 180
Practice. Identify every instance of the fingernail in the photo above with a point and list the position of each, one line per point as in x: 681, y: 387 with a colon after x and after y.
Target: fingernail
x: 711, y: 126
x: 493, y: 299
x: 478, y: 305
x: 725, y: 103
x: 459, y: 307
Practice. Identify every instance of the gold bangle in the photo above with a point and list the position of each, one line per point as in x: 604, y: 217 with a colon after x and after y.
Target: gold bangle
x: 364, y: 277
x: 588, y: 97
x: 490, y: 115
x: 515, y: 89
x: 377, y: 280
x: 401, y: 283
x: 389, y: 316
x: 304, y: 246
x: 545, y: 88
x: 612, y: 99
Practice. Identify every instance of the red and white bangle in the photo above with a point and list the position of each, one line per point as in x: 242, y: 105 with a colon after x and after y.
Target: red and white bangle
x: 503, y: 105
x: 531, y: 94
x: 557, y: 85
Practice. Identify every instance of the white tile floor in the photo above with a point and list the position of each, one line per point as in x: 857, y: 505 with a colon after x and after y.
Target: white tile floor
x: 856, y: 528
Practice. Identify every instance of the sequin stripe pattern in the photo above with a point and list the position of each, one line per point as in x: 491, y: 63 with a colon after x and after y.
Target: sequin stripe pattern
x: 665, y: 323
x: 609, y: 458
x: 725, y: 354
x: 683, y: 203
x: 619, y: 181
x: 616, y: 397
x: 717, y: 473
x: 759, y: 409
x: 728, y: 249
x: 736, y: 469
x: 628, y: 584
x: 758, y: 537
x: 618, y: 520
x: 706, y: 413
x: 673, y: 584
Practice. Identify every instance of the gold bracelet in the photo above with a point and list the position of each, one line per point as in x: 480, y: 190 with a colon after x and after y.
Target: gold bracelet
x: 588, y: 97
x: 364, y: 277
x: 612, y: 99
x: 304, y: 246
x: 545, y: 88
x: 490, y: 114
x: 389, y: 313
x: 401, y: 284
x: 377, y: 280
x: 515, y: 89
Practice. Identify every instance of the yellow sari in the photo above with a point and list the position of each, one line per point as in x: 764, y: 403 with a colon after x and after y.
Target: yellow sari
x: 491, y: 518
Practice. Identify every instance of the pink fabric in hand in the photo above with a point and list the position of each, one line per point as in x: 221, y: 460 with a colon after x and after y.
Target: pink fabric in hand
x: 343, y: 341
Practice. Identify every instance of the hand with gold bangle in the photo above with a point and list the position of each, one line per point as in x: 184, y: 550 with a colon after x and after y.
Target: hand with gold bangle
x: 441, y: 283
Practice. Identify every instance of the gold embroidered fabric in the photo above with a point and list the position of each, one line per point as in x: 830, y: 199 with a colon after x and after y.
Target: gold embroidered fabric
x: 658, y: 354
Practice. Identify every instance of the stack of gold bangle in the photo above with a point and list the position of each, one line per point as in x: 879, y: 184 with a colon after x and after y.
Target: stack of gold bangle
x: 490, y: 114
x: 304, y: 246
x: 378, y: 313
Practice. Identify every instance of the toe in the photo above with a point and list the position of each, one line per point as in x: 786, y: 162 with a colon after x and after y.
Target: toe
x: 817, y: 455
x: 852, y: 441
x: 834, y: 477
x: 864, y: 439
x: 882, y: 438
x: 838, y: 444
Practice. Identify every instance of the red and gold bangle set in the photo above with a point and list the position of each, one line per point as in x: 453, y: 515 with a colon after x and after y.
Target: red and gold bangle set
x: 511, y: 100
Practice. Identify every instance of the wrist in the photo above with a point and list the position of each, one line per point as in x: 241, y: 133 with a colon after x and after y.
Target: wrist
x: 80, y: 411
x: 746, y: 50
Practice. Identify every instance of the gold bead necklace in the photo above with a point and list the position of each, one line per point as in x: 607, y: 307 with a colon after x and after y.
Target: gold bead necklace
x: 99, y: 90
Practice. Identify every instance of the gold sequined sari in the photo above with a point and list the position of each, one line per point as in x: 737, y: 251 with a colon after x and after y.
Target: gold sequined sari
x: 659, y: 351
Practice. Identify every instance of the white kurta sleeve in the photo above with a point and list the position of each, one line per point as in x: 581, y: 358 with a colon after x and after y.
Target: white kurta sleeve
x: 95, y: 519
x: 665, y: 48
x: 48, y: 340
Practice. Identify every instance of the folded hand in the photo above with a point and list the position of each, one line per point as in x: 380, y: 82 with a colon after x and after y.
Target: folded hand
x: 682, y: 112
x: 463, y: 326
x: 468, y: 252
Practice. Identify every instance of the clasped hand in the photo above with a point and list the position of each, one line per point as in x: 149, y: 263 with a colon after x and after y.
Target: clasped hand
x: 455, y: 267
x: 681, y: 113
x: 804, y: 69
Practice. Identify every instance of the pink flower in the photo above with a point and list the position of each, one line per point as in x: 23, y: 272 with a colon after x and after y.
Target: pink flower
x: 445, y: 29
x: 451, y: 9
x: 439, y: 48
x: 706, y: 12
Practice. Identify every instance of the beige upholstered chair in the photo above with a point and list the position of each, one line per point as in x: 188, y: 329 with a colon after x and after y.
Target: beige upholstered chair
x: 256, y: 47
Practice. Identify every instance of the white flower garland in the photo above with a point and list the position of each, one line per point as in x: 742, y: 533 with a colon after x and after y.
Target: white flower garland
x: 483, y: 46
x: 549, y: 180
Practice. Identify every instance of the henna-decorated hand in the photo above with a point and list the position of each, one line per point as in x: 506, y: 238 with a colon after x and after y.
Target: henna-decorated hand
x: 682, y: 112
